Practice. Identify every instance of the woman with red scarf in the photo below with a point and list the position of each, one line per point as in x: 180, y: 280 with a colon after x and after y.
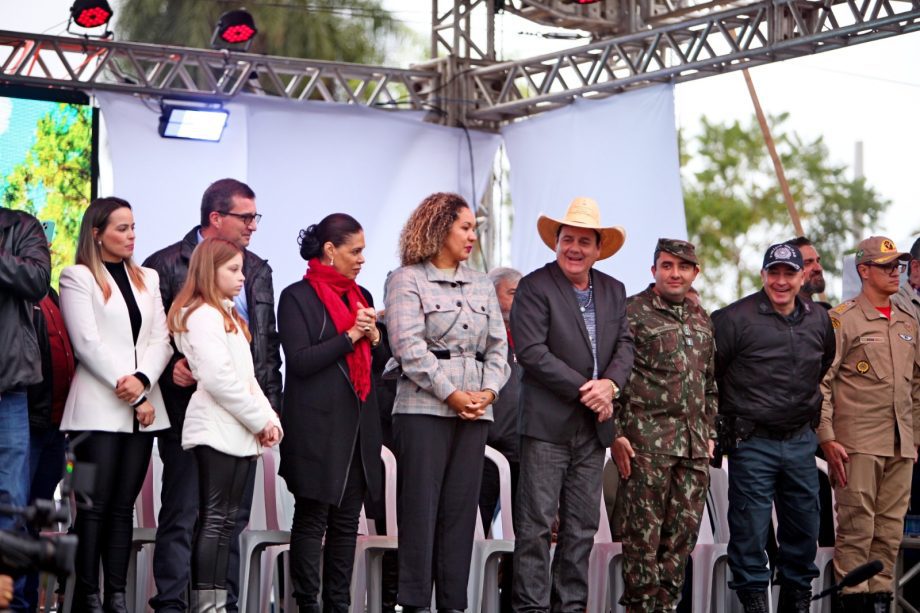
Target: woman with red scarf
x: 330, y: 457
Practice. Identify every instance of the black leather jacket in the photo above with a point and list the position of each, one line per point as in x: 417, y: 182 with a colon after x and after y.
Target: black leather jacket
x: 25, y: 277
x: 172, y: 265
x: 769, y: 368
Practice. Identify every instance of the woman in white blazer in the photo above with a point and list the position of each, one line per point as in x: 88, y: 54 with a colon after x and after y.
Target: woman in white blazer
x: 228, y: 419
x: 115, y: 319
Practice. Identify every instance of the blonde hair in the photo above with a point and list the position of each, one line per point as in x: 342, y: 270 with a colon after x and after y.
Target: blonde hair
x: 89, y: 249
x: 423, y: 235
x: 201, y: 287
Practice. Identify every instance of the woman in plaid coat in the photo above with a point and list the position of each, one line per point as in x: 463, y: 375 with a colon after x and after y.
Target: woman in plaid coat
x: 447, y: 336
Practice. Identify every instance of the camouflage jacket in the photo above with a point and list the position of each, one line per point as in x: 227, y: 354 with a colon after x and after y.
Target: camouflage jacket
x: 670, y: 402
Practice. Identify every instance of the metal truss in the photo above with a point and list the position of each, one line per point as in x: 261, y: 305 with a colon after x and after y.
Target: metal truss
x: 766, y: 31
x: 185, y: 73
x: 463, y: 28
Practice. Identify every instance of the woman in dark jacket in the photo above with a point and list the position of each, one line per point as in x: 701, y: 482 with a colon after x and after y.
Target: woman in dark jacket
x: 331, y: 456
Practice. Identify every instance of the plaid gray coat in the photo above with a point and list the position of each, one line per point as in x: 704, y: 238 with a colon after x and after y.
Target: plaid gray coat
x: 427, y: 309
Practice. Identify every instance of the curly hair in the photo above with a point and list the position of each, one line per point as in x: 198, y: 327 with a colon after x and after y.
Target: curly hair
x: 427, y: 227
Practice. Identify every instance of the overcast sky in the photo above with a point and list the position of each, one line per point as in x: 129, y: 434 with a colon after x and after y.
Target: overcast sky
x: 869, y: 92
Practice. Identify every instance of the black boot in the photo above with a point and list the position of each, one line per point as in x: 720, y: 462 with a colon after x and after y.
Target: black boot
x: 408, y: 609
x: 851, y: 603
x: 312, y: 607
x: 115, y: 603
x: 753, y: 601
x: 880, y: 601
x: 87, y: 603
x: 794, y: 600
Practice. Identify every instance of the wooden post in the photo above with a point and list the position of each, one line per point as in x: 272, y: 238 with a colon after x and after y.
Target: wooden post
x: 777, y: 163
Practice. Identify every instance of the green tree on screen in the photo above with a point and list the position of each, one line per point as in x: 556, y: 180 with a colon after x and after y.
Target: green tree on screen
x: 54, y: 180
x: 735, y: 208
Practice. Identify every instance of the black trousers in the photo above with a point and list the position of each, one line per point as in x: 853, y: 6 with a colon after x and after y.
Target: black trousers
x: 172, y: 556
x: 339, y: 524
x: 221, y: 483
x: 438, y: 478
x: 105, y: 530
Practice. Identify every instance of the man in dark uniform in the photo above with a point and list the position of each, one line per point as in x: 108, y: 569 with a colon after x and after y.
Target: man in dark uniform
x: 772, y: 350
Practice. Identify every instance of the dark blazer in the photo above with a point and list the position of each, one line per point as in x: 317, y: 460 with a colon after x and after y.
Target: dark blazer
x: 323, y: 419
x: 552, y: 344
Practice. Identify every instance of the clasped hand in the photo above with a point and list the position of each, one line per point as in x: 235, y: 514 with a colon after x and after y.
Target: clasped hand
x: 365, y: 324
x: 597, y: 395
x: 270, y: 435
x: 470, y: 405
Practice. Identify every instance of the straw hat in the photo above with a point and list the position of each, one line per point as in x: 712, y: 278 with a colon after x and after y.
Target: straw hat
x: 583, y: 213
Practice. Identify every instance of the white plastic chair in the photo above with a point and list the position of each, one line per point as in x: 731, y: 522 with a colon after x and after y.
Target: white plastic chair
x: 265, y: 531
x: 482, y: 588
x: 140, y: 565
x: 605, y: 566
x: 825, y: 557
x: 367, y: 576
x: 710, y: 555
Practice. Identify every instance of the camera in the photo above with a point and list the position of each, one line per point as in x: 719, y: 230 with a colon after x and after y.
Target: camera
x: 22, y: 553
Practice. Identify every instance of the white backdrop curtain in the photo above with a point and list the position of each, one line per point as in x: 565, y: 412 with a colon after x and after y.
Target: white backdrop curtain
x: 621, y: 151
x: 304, y: 161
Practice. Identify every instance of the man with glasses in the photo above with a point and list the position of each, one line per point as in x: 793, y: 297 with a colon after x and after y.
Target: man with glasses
x: 868, y: 423
x: 909, y: 294
x: 228, y: 211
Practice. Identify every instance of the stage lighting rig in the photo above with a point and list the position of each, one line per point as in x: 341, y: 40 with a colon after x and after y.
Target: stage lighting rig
x: 235, y: 29
x: 90, y: 14
x: 192, y: 122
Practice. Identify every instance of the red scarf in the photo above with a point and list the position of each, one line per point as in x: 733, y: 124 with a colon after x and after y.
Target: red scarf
x: 331, y: 286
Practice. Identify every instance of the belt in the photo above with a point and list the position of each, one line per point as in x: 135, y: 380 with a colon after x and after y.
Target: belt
x: 444, y: 354
x: 779, y: 435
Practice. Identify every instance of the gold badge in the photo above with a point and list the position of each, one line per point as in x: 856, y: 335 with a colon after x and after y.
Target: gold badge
x: 887, y: 246
x: 862, y: 366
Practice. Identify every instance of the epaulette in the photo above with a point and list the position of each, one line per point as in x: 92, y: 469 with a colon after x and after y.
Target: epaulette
x: 843, y: 307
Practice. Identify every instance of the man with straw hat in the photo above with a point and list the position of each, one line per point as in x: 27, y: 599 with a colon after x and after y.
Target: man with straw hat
x: 571, y: 336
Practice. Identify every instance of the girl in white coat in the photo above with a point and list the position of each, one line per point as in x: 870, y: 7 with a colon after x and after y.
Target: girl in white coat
x: 115, y: 320
x: 228, y: 419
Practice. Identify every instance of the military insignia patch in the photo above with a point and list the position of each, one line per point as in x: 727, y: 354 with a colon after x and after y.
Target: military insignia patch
x: 887, y: 246
x: 862, y: 366
x: 906, y: 337
x: 835, y: 323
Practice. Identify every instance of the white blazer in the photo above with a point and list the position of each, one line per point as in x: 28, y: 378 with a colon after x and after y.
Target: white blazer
x: 100, y: 333
x: 228, y: 407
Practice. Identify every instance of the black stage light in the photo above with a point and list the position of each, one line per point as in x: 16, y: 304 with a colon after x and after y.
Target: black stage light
x: 234, y: 28
x: 90, y: 13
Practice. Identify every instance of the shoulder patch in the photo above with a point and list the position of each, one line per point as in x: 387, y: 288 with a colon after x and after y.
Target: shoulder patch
x: 835, y: 322
x: 843, y: 307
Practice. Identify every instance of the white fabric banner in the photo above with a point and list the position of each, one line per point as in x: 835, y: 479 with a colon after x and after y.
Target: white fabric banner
x: 621, y: 151
x: 304, y: 161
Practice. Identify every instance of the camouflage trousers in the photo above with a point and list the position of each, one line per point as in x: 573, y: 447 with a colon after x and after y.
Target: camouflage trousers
x: 663, y: 501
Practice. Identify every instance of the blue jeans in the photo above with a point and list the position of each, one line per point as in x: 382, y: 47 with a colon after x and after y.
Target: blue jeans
x: 555, y: 476
x: 14, y: 453
x: 14, y: 465
x: 763, y: 472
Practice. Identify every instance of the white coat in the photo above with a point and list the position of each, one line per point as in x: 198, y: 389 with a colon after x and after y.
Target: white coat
x: 228, y: 407
x: 103, y: 344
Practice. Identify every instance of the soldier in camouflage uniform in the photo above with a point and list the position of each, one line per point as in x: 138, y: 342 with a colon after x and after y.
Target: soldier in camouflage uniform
x: 666, y: 430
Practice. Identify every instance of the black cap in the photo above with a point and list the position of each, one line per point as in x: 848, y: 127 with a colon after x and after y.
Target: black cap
x: 915, y: 250
x: 783, y: 254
